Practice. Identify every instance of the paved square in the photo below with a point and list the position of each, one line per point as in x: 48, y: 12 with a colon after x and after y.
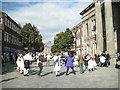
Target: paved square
x: 101, y: 78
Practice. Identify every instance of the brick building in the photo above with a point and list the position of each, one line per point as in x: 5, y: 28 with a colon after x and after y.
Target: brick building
x: 10, y: 34
x: 77, y: 32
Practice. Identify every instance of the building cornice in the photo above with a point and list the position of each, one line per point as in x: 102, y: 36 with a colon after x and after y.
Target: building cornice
x: 88, y: 8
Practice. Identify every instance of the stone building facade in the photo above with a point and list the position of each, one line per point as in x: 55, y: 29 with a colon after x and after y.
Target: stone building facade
x: 101, y: 27
x: 89, y: 29
x: 10, y: 33
x: 47, y: 48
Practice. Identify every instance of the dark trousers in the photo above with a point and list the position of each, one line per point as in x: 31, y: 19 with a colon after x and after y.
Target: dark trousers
x: 102, y: 64
x: 26, y: 63
x: 40, y: 68
x: 107, y: 63
x: 68, y: 70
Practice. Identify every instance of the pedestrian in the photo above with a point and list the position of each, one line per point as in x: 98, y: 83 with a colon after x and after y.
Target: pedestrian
x: 27, y: 57
x: 20, y: 63
x: 62, y: 59
x: 65, y: 56
x: 86, y: 58
x: 69, y: 64
x: 57, y: 65
x: 2, y: 57
x: 102, y: 60
x: 40, y: 65
x: 107, y: 62
x: 103, y: 53
x: 97, y: 59
x: 80, y: 63
x: 90, y: 63
x: 75, y: 63
x: 117, y: 63
x: 11, y: 59
x: 37, y: 58
x: 48, y: 59
x: 94, y: 64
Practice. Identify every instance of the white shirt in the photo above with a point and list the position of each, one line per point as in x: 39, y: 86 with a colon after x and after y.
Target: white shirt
x: 102, y: 59
x: 28, y: 57
x: 20, y: 63
x: 88, y: 57
x: 48, y: 57
x: 75, y: 57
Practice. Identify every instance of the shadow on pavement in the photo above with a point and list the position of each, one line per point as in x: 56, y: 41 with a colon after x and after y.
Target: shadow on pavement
x: 46, y: 74
x: 8, y: 68
x: 62, y: 73
x: 72, y: 72
x: 8, y: 79
x: 33, y: 72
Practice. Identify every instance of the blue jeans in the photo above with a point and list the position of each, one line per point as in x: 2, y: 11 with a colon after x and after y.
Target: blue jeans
x: 68, y: 70
x: 81, y: 67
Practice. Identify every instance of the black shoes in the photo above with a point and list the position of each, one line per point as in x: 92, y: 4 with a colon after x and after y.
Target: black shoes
x: 66, y: 74
x: 74, y: 73
x: 26, y: 75
x: 39, y: 75
x: 57, y: 75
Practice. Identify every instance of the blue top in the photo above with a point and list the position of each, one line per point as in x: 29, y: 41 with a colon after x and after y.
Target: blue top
x: 69, y: 62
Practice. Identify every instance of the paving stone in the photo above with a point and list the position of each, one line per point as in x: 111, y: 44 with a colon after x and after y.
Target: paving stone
x: 101, y: 78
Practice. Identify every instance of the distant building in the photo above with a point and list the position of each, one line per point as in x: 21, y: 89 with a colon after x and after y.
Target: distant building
x: 77, y: 32
x: 10, y: 33
x: 101, y: 27
x: 47, y: 48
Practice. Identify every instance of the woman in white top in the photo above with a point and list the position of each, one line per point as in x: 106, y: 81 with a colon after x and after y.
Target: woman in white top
x: 20, y: 63
x: 56, y: 59
x: 75, y: 63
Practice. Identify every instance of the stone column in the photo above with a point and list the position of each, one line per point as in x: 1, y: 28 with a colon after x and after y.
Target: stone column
x: 109, y: 29
x: 99, y: 31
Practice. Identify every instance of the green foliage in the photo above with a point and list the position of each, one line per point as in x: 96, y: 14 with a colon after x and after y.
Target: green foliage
x: 30, y: 37
x: 63, y: 41
x: 39, y: 45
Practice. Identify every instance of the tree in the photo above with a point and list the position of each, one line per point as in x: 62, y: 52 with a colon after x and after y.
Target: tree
x: 38, y: 45
x: 63, y: 41
x: 30, y: 37
x: 68, y: 40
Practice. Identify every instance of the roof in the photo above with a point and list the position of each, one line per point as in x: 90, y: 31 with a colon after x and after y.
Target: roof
x: 88, y: 8
x: 10, y: 19
x: 80, y: 23
x: 2, y: 12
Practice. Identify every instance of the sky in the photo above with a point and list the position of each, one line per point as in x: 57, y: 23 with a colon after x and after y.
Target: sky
x: 49, y: 16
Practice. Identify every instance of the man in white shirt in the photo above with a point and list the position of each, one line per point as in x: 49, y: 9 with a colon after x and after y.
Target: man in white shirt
x: 27, y: 58
x: 102, y: 60
x: 48, y: 59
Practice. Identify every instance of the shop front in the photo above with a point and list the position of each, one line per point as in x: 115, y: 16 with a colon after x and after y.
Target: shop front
x: 10, y: 54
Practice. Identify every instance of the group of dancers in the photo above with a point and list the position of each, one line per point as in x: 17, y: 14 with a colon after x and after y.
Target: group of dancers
x: 84, y: 62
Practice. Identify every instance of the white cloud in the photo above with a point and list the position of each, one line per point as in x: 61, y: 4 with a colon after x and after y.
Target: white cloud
x: 50, y: 18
